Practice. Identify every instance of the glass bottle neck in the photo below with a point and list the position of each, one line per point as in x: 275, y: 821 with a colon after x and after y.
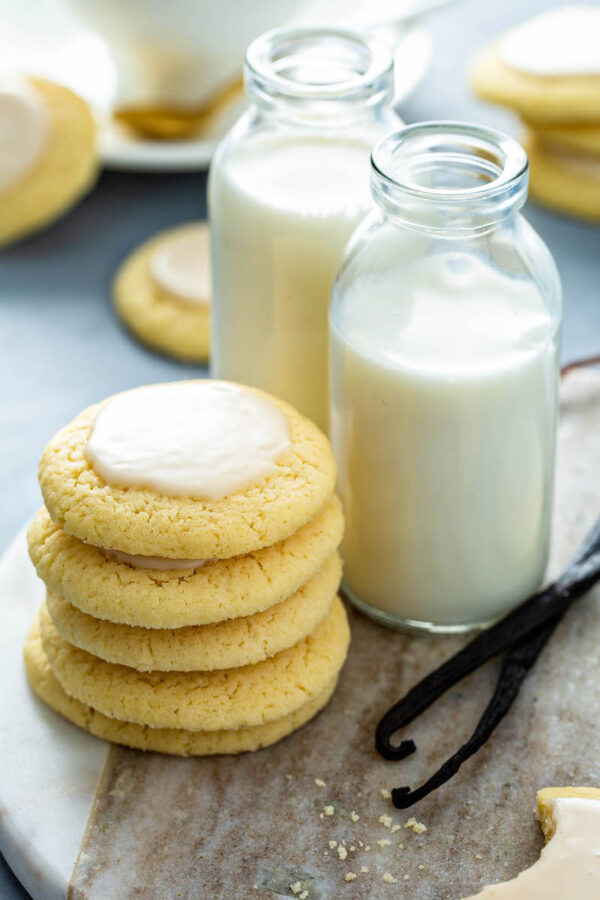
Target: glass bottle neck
x: 449, y: 178
x: 325, y: 77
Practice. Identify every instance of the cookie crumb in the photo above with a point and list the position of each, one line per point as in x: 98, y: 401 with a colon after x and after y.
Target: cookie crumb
x: 364, y: 869
x: 303, y: 895
x: 289, y: 777
x: 478, y: 856
x: 352, y: 848
x: 367, y: 849
x: 332, y: 845
x: 328, y: 810
x: 417, y: 827
x: 320, y: 783
x: 406, y: 877
x: 386, y: 821
x: 422, y: 868
x: 396, y: 827
x: 354, y: 816
x: 349, y: 876
x: 296, y: 887
x: 401, y: 846
x: 342, y: 852
x: 388, y: 878
x: 384, y: 843
x: 360, y: 844
x: 387, y: 795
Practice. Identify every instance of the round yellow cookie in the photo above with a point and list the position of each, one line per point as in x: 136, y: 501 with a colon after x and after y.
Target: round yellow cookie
x: 584, y: 140
x: 538, y: 98
x: 65, y: 171
x: 204, y: 701
x: 236, y: 642
x: 161, y: 740
x: 142, y: 522
x: 163, y: 598
x: 157, y: 317
x: 564, y: 183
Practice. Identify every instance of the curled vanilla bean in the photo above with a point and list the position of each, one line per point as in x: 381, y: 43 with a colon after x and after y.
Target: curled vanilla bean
x: 526, y: 630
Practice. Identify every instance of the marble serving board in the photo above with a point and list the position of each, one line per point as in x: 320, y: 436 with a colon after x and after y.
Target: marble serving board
x: 79, y: 818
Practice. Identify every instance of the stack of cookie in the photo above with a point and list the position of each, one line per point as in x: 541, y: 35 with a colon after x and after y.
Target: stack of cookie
x: 189, y: 549
x: 548, y: 70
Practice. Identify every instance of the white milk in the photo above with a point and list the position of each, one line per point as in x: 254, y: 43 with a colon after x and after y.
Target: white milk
x: 444, y: 428
x: 282, y: 209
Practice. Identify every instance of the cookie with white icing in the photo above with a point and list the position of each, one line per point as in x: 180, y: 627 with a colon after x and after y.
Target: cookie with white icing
x: 547, y: 68
x: 187, y: 471
x: 162, y: 292
x: 48, y: 153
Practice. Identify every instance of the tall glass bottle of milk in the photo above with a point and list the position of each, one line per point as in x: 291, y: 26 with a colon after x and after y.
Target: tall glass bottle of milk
x: 288, y: 185
x: 445, y: 328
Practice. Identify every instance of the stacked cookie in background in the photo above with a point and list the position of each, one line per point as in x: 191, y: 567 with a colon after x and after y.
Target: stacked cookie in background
x: 548, y: 70
x: 189, y: 549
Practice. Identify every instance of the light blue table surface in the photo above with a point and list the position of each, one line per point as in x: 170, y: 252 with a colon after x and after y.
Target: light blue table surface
x: 62, y: 348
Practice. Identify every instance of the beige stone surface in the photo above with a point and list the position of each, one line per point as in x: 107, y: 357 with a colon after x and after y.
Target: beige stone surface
x: 215, y: 828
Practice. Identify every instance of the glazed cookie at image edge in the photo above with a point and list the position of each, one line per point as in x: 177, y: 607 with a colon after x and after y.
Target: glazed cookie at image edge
x: 65, y: 169
x: 160, y: 740
x: 162, y: 292
x: 564, y: 182
x: 204, y: 701
x: 162, y: 598
x: 229, y: 644
x: 142, y: 521
x: 547, y: 68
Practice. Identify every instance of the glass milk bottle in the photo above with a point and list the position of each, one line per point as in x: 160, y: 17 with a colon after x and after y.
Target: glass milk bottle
x: 287, y: 187
x: 445, y: 326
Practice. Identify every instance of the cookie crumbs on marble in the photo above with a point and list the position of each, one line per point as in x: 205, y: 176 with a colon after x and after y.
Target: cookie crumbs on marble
x: 396, y: 827
x: 384, y: 843
x: 328, y: 810
x: 387, y: 795
x: 320, y: 783
x: 364, y: 869
x: 296, y: 887
x: 478, y: 856
x: 406, y: 877
x: 332, y: 845
x: 386, y: 821
x: 352, y: 849
x: 354, y: 816
x: 389, y: 878
x: 417, y: 827
x: 342, y: 852
x: 303, y: 895
x: 422, y: 868
x: 349, y: 876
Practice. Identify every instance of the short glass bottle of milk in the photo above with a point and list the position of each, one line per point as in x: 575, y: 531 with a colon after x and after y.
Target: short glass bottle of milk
x: 287, y: 187
x: 445, y: 327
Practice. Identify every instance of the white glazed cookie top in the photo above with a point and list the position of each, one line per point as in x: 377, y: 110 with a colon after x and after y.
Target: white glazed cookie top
x: 204, y: 440
x: 23, y: 128
x: 181, y: 264
x: 564, y: 41
x: 569, y: 865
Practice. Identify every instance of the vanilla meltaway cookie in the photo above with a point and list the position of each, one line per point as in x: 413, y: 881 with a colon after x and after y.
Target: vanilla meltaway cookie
x: 162, y: 292
x: 564, y: 181
x: 547, y: 68
x: 220, y: 589
x: 203, y: 701
x: 581, y: 140
x: 569, y: 865
x: 48, y: 153
x: 189, y: 471
x: 161, y: 740
x: 225, y: 645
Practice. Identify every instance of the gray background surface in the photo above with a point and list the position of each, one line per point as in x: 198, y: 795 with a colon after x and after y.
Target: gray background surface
x: 61, y: 347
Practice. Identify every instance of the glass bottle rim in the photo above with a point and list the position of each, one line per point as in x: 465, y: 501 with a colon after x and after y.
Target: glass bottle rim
x: 369, y: 66
x: 469, y: 175
x: 513, y: 168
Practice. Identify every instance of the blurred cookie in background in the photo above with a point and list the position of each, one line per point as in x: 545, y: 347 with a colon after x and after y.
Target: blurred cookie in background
x: 48, y: 153
x: 162, y: 292
x: 564, y: 181
x: 547, y: 69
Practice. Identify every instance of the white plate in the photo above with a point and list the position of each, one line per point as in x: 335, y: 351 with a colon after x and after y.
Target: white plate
x: 44, y: 38
x: 121, y: 150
